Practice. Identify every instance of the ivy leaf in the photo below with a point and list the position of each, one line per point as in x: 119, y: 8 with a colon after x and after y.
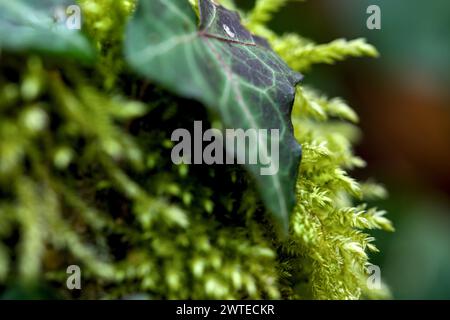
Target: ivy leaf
x: 233, y: 72
x: 38, y: 26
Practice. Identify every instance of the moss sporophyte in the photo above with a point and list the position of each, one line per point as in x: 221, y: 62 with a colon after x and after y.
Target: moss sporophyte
x: 87, y: 179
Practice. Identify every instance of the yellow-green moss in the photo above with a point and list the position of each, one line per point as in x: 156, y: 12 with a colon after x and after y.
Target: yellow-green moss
x: 85, y: 179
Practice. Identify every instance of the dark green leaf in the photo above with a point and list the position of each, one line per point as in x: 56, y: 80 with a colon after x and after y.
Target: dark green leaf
x: 229, y: 70
x: 33, y: 26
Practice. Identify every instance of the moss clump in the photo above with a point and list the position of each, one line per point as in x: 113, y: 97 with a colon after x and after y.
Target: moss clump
x: 86, y: 179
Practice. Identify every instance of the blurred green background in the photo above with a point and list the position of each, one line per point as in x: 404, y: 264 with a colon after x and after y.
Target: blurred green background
x: 404, y: 104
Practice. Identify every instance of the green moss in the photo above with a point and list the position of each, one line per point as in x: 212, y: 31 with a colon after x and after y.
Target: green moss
x: 86, y: 178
